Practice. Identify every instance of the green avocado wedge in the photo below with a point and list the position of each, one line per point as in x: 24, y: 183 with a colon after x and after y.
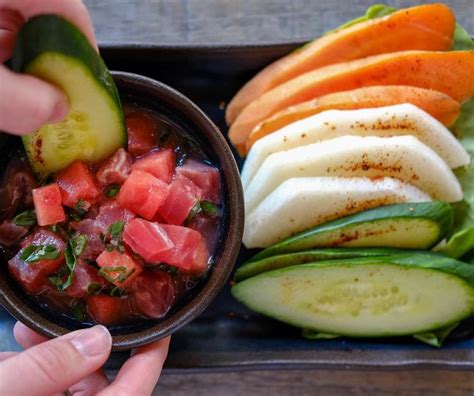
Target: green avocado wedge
x: 407, y: 226
x: 52, y: 49
x: 365, y: 297
x: 252, y: 268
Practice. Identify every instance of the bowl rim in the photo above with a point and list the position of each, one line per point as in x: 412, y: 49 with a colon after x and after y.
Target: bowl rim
x: 230, y: 243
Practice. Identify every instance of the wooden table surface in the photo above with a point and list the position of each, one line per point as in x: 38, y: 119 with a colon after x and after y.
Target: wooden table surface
x: 266, y: 21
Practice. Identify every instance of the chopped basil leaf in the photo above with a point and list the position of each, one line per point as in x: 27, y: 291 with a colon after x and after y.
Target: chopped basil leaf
x: 81, y: 207
x: 194, y: 212
x: 79, y: 310
x: 116, y: 292
x: 115, y: 230
x: 113, y: 190
x: 78, y: 244
x: 93, y: 288
x: 115, y: 274
x: 26, y: 218
x: 33, y: 253
x: 210, y: 208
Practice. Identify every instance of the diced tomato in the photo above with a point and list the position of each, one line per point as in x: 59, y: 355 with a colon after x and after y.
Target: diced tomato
x: 108, y: 310
x: 185, y: 242
x: 118, y: 268
x: 77, y: 182
x: 206, y: 177
x: 85, y: 278
x: 33, y: 276
x: 116, y: 169
x: 160, y: 164
x: 183, y: 195
x: 142, y: 130
x: 48, y: 205
x: 147, y: 239
x: 153, y: 294
x: 143, y: 193
x: 199, y: 259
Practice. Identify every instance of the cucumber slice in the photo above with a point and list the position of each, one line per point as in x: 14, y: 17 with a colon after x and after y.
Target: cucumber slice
x: 51, y: 48
x: 411, y: 226
x: 370, y: 297
x: 252, y: 268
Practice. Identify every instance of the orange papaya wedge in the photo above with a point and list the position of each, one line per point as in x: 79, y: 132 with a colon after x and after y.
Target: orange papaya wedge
x: 427, y: 27
x: 450, y: 72
x: 437, y: 104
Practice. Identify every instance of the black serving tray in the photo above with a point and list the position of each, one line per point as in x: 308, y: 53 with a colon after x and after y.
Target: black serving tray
x: 227, y: 336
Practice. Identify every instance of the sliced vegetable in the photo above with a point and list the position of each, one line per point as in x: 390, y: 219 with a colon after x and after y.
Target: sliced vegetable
x: 51, y: 48
x: 401, y: 157
x: 436, y: 337
x: 451, y: 73
x: 369, y: 297
x: 297, y: 204
x: 413, y: 226
x: 160, y: 164
x: 402, y: 119
x: 77, y: 183
x: 142, y: 193
x: 425, y: 27
x: 48, y: 205
x: 437, y: 104
x: 255, y: 267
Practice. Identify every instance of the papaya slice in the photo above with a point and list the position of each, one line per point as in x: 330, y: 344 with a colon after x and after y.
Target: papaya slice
x: 451, y: 73
x: 437, y: 104
x: 425, y: 27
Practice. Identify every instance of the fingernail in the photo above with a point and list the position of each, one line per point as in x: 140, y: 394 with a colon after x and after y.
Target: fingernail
x: 59, y: 112
x: 93, y: 342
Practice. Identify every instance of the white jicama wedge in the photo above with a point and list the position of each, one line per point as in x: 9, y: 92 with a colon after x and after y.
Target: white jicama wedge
x: 402, y: 157
x: 402, y: 119
x: 301, y: 203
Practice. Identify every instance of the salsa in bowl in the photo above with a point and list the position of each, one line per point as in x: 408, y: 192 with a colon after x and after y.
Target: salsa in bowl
x: 141, y: 241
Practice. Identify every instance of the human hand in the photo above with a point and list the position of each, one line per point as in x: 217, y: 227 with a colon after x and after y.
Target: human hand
x: 26, y: 103
x: 73, y: 362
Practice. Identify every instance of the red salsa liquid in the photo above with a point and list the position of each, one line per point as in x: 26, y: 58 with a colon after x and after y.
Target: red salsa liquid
x: 123, y: 240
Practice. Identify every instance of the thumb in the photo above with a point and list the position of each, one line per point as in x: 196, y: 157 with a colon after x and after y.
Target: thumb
x: 26, y: 103
x: 54, y: 366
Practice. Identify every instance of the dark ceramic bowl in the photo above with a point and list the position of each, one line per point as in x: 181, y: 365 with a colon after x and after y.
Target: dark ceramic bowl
x: 168, y: 102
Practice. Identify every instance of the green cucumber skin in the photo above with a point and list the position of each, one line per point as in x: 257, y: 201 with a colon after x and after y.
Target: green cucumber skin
x: 31, y: 43
x: 252, y: 268
x: 454, y: 269
x: 439, y: 212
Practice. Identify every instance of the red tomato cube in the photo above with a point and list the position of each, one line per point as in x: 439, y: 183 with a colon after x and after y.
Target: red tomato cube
x: 153, y: 294
x: 116, y: 169
x: 108, y: 310
x: 143, y: 194
x: 160, y: 164
x: 34, y: 277
x: 48, y: 205
x: 185, y: 242
x: 77, y: 182
x: 147, y: 239
x: 142, y: 130
x: 85, y: 277
x: 183, y: 195
x: 118, y: 268
x: 206, y: 177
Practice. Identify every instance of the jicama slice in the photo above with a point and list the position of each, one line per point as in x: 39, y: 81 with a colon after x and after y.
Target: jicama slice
x: 301, y: 203
x: 402, y: 119
x: 430, y: 221
x: 449, y: 72
x: 437, y: 104
x: 425, y: 27
x: 401, y: 157
x: 369, y: 297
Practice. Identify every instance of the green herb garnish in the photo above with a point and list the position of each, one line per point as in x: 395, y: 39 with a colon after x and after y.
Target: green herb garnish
x: 196, y: 210
x: 116, y: 292
x: 26, y: 218
x: 210, y: 208
x: 113, y: 190
x: 94, y: 288
x: 115, y: 230
x: 120, y: 272
x: 79, y: 310
x: 33, y: 253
